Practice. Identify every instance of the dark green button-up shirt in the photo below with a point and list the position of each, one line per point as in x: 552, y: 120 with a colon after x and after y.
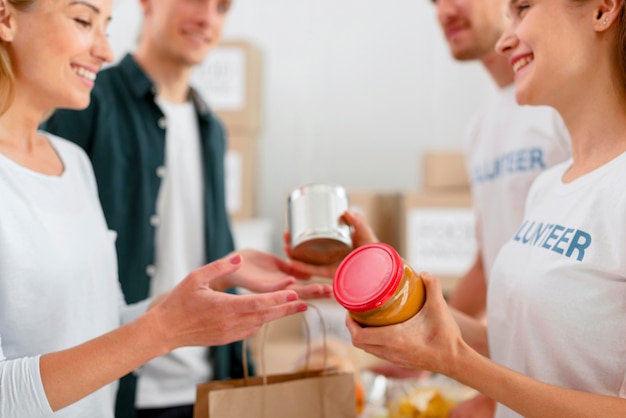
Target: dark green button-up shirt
x: 123, y: 131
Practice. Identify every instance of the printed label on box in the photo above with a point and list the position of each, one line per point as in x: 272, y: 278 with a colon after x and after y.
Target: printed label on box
x: 221, y: 79
x: 233, y: 178
x: 441, y: 241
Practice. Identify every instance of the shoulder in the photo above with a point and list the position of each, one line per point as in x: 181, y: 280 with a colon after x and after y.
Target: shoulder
x: 547, y: 180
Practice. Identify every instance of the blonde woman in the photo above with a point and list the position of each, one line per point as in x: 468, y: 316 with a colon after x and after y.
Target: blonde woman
x: 66, y: 335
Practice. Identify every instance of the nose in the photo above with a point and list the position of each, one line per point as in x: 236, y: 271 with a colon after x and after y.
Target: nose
x: 507, y: 42
x: 210, y: 13
x: 446, y: 10
x: 102, y: 48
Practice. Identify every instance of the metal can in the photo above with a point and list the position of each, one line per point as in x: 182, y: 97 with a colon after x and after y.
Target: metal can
x: 377, y: 286
x: 317, y: 233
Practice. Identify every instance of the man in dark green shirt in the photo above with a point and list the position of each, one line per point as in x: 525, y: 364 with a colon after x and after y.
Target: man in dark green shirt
x: 126, y: 132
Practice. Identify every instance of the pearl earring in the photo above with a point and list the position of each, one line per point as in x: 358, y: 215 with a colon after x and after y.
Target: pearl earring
x: 606, y: 21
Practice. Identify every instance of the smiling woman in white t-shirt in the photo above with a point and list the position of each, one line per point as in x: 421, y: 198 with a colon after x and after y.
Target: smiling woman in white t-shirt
x: 555, y: 344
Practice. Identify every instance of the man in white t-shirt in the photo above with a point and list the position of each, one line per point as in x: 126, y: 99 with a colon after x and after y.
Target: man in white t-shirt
x: 506, y: 146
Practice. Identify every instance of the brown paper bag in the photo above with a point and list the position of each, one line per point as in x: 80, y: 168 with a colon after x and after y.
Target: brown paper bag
x: 325, y: 393
x: 310, y: 394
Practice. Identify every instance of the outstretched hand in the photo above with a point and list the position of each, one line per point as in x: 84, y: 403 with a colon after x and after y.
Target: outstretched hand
x: 262, y: 272
x: 193, y: 314
x: 362, y: 234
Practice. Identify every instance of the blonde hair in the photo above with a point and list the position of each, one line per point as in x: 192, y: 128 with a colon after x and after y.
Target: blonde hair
x: 621, y: 44
x: 7, y: 79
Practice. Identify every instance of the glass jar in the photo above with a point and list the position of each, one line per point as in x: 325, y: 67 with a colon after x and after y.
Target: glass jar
x: 377, y: 286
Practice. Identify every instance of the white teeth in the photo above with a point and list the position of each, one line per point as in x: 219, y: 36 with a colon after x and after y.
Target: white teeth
x: 521, y: 63
x: 81, y: 71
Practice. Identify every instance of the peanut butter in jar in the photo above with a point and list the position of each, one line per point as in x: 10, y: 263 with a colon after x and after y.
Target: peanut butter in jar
x: 377, y: 286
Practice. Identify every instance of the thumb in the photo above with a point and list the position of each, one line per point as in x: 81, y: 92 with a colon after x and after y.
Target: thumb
x: 433, y: 288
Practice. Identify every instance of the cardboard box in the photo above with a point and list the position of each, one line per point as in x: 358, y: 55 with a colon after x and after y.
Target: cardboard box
x: 445, y: 171
x: 382, y: 210
x: 229, y: 80
x: 439, y: 234
x: 240, y: 168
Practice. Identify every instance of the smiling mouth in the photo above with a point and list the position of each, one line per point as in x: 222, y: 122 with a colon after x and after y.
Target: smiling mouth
x: 522, y: 62
x: 85, y: 73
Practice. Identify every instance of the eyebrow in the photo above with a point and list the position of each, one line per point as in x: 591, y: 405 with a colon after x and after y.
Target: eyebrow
x: 85, y: 3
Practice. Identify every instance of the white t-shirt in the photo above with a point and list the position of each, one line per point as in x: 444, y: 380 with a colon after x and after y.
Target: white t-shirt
x: 58, y: 279
x: 557, y: 295
x: 507, y: 147
x: 180, y: 248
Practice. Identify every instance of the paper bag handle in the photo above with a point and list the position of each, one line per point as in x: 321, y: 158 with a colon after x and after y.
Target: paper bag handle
x: 246, y: 375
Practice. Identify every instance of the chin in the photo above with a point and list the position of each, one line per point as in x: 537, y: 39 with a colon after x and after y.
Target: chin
x: 75, y: 104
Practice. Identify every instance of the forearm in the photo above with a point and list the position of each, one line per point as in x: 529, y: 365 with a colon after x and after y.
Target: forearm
x: 470, y: 294
x: 474, y: 332
x: 528, y: 397
x: 72, y: 374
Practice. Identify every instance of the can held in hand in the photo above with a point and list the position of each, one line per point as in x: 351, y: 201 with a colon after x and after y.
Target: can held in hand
x: 317, y: 233
x: 377, y: 286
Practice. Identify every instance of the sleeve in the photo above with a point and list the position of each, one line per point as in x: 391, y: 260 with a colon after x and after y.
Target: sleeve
x: 133, y: 311
x: 21, y: 390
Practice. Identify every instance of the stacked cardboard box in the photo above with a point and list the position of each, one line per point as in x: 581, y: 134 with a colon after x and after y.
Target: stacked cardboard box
x: 432, y: 228
x: 444, y: 171
x: 230, y: 80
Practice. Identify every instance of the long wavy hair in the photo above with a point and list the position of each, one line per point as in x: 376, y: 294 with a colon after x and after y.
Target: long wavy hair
x: 7, y: 78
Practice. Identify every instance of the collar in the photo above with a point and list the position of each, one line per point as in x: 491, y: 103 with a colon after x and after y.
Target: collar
x: 141, y: 85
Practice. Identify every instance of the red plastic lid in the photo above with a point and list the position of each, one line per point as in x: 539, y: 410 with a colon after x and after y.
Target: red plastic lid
x: 367, y: 277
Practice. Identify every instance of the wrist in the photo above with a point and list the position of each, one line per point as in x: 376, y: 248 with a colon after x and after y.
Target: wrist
x: 462, y: 360
x: 154, y: 331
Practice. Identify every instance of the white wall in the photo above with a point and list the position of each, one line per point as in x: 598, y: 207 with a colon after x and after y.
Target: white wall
x: 354, y: 91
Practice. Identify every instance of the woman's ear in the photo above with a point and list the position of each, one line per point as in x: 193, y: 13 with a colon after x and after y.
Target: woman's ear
x: 606, y: 13
x: 7, y: 21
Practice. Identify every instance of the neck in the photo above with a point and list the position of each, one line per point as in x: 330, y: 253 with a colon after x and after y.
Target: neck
x: 19, y: 124
x: 499, y: 68
x: 597, y: 126
x: 171, y: 77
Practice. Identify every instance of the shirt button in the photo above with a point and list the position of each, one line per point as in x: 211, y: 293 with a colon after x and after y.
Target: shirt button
x: 155, y: 220
x: 162, y: 122
x: 161, y: 171
x: 151, y: 270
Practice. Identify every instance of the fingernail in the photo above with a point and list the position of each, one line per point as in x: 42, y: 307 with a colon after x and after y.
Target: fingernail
x: 291, y: 297
x: 235, y: 260
x: 303, y: 307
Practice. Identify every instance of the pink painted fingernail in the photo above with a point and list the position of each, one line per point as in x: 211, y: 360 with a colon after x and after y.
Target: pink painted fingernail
x: 235, y: 260
x: 303, y: 307
x: 291, y: 297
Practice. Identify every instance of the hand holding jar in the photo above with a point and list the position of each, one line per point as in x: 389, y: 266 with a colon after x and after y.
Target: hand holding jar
x: 429, y: 340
